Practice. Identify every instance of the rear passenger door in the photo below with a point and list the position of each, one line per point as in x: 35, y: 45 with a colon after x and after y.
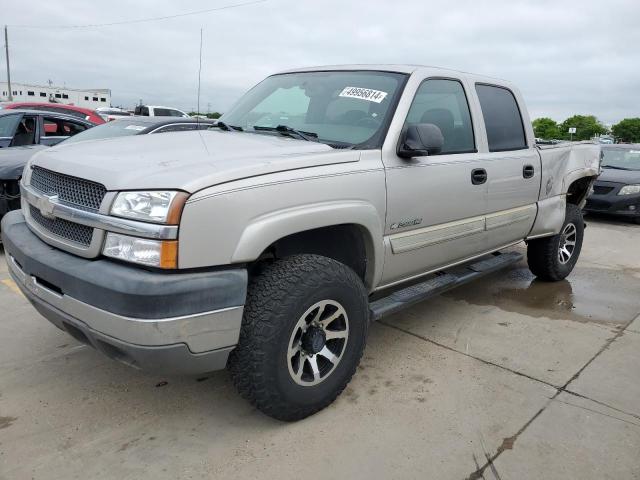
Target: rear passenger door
x: 513, y: 167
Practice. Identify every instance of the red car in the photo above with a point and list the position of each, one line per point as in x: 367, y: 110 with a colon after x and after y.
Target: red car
x: 84, y: 113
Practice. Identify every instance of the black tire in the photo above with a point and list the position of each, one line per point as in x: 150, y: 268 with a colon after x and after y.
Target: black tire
x: 543, y: 255
x: 277, y: 299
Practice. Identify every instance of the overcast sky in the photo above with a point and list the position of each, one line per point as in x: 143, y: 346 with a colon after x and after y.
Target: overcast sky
x: 566, y: 57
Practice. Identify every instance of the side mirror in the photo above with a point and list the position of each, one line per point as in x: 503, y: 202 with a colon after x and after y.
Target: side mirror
x: 419, y: 140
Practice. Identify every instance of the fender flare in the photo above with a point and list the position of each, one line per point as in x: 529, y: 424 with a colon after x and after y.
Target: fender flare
x: 264, y: 230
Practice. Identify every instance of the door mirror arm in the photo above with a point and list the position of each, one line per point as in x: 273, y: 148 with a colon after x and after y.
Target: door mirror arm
x: 419, y: 140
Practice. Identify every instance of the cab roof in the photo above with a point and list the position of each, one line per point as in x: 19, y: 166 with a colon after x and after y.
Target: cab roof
x: 426, y: 70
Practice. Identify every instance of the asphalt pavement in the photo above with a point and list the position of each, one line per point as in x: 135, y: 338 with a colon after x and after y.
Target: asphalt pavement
x: 505, y: 378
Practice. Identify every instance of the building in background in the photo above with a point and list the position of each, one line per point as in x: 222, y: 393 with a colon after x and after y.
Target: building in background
x: 24, y: 92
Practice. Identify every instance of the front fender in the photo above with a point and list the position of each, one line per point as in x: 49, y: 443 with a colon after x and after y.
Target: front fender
x: 235, y: 223
x: 266, y: 229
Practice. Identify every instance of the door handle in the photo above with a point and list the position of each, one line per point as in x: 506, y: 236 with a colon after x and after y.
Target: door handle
x: 478, y: 176
x: 528, y: 171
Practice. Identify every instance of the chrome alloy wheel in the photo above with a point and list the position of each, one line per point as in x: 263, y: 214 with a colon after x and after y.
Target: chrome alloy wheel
x: 567, y: 243
x: 317, y: 343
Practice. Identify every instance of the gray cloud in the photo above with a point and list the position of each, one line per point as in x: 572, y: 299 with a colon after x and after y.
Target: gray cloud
x: 566, y: 57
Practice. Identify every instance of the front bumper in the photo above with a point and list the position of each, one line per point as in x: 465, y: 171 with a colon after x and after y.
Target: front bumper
x: 179, y: 323
x: 609, y: 202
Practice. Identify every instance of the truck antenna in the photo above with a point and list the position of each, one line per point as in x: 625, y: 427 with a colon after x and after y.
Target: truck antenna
x: 199, y: 74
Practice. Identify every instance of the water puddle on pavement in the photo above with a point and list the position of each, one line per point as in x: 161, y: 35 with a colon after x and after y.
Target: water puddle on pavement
x: 588, y: 295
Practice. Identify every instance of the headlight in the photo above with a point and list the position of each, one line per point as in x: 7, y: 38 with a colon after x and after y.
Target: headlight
x: 154, y: 206
x: 629, y: 190
x: 154, y: 253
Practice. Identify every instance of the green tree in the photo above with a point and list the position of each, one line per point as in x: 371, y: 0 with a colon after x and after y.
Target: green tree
x: 587, y: 126
x: 212, y: 115
x: 546, y: 128
x: 627, y: 130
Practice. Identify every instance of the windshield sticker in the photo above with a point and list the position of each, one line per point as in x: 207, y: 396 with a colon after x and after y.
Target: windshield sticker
x: 363, y: 94
x: 134, y: 127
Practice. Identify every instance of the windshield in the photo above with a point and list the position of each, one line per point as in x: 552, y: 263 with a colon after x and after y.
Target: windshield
x: 117, y: 128
x: 341, y: 108
x: 625, y: 158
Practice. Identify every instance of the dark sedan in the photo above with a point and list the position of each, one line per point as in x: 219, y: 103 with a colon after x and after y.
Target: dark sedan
x: 13, y: 160
x: 19, y: 128
x: 617, y: 190
x: 141, y: 126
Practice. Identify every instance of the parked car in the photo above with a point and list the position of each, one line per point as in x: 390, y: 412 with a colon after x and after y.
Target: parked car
x: 79, y: 112
x: 112, y: 113
x: 140, y: 126
x: 31, y: 127
x: 617, y: 190
x: 158, y: 111
x: 13, y: 160
x: 269, y: 243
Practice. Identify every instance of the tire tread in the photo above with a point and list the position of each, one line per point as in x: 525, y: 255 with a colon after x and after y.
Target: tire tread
x: 279, y: 287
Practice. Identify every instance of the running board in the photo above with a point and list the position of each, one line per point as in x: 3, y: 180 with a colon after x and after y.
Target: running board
x: 443, y: 281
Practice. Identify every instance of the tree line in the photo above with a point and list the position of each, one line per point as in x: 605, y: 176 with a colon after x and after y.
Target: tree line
x: 212, y: 115
x: 587, y: 127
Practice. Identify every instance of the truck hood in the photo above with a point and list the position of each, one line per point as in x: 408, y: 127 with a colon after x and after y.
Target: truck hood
x: 13, y: 160
x: 187, y: 161
x: 620, y: 176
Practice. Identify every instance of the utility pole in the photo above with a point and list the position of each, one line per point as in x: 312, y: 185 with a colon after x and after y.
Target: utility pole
x: 6, y: 49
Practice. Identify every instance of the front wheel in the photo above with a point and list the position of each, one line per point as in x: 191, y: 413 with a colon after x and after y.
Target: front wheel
x: 553, y: 258
x: 303, y: 333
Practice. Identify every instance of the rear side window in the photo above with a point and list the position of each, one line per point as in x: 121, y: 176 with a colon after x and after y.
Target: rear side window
x: 56, y: 127
x: 502, y: 118
x: 443, y: 103
x: 166, y: 112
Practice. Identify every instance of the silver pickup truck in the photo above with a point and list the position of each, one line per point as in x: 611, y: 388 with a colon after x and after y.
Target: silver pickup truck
x: 324, y: 199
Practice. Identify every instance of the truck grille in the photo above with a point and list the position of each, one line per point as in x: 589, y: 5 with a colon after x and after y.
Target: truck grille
x: 80, y: 193
x: 73, y: 232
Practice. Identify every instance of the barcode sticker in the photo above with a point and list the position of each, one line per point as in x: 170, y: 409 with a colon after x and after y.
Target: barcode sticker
x: 363, y: 94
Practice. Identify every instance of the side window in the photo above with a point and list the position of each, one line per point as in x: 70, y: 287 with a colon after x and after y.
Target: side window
x: 55, y: 127
x: 26, y: 132
x: 502, y: 118
x: 444, y: 104
x: 8, y: 124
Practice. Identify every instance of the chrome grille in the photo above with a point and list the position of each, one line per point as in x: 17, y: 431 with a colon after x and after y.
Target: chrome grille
x: 78, y: 192
x: 73, y: 232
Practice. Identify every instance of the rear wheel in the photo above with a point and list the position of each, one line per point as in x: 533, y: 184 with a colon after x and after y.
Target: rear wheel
x: 553, y: 258
x: 303, y: 333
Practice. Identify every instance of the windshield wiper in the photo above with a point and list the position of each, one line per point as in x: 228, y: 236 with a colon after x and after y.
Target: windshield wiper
x: 228, y: 128
x: 285, y: 130
x: 615, y: 167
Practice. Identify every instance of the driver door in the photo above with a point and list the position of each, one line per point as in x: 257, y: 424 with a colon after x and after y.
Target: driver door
x: 436, y: 204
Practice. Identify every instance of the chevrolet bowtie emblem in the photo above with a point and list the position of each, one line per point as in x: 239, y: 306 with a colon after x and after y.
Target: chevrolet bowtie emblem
x: 46, y: 204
